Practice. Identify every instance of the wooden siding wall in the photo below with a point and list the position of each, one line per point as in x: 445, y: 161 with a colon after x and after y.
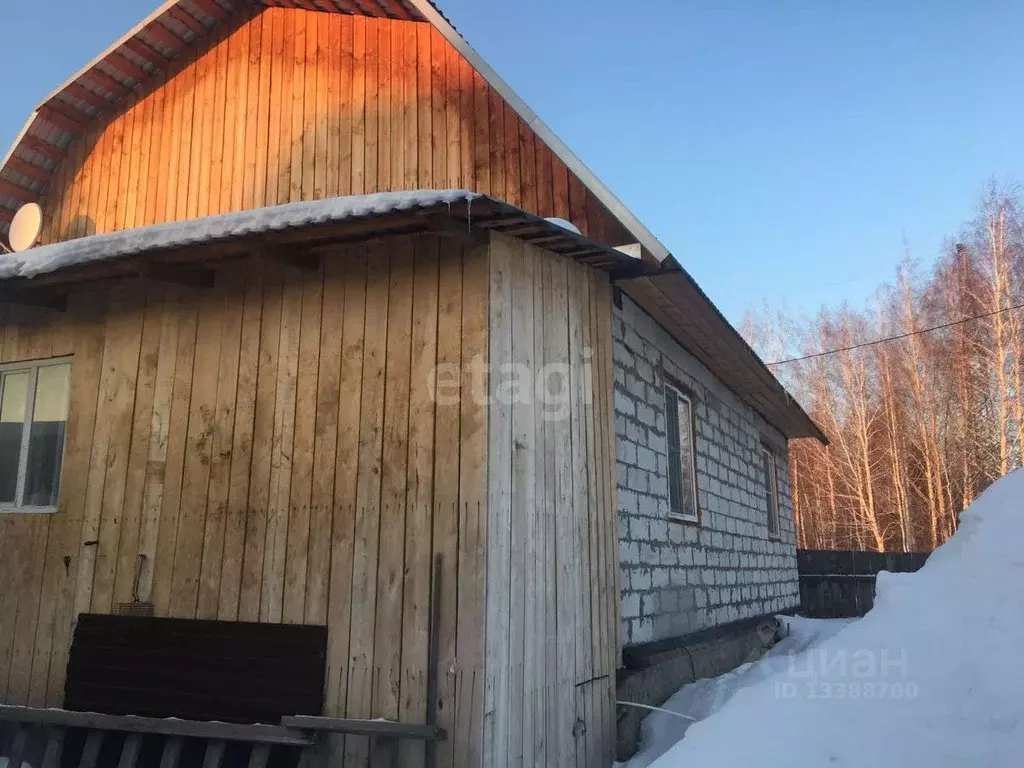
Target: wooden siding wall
x: 300, y: 105
x: 552, y: 600
x: 269, y: 450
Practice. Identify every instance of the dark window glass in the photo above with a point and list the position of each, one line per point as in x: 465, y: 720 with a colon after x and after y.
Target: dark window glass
x: 771, y: 489
x: 682, y: 480
x: 13, y: 403
x: 46, y: 438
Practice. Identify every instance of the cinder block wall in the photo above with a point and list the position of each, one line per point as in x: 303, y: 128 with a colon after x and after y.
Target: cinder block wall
x: 677, y: 577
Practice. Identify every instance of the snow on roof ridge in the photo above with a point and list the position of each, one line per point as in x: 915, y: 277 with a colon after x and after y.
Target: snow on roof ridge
x: 177, y: 234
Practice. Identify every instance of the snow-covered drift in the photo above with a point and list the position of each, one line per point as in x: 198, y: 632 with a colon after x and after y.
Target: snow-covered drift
x: 932, y: 676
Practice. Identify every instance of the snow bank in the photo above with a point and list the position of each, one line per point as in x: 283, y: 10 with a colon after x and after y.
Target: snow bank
x: 933, y: 676
x: 703, y: 698
x: 49, y: 258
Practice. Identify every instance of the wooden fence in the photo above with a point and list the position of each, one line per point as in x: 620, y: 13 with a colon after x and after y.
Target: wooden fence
x: 841, y: 584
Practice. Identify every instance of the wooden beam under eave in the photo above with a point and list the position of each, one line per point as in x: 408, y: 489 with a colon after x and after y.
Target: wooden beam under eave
x: 106, y: 82
x: 93, y: 99
x: 44, y: 148
x: 147, y: 52
x: 127, y: 67
x: 23, y: 298
x: 443, y: 225
x: 28, y: 169
x: 302, y: 260
x: 11, y: 189
x: 179, y: 274
x: 65, y: 122
x: 212, y: 9
x: 184, y: 17
x: 165, y: 37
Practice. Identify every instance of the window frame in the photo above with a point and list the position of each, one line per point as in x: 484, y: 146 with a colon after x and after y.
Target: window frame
x: 771, y: 486
x: 17, y: 507
x: 683, y: 393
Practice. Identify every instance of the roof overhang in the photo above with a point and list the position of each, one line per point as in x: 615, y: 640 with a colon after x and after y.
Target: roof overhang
x: 678, y: 304
x: 46, y: 274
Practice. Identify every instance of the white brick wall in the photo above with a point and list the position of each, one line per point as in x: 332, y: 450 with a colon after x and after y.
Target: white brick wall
x: 679, y: 578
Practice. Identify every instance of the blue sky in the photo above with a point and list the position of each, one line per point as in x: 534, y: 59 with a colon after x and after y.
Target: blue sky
x: 783, y: 151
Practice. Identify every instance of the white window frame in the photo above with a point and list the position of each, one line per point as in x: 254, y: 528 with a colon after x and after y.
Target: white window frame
x: 690, y: 430
x: 772, y: 486
x: 32, y: 367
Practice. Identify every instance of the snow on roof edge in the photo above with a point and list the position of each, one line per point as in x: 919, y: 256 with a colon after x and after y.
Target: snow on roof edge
x: 177, y: 234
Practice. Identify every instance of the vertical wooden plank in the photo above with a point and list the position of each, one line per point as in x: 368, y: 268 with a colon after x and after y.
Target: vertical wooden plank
x: 332, y: 66
x: 302, y: 30
x: 170, y: 134
x: 467, y: 125
x: 310, y: 126
x: 279, y: 152
x: 473, y: 492
x: 128, y: 157
x: 127, y: 564
x: 498, y: 150
x: 416, y: 598
x: 177, y: 437
x: 560, y: 189
x: 250, y: 599
x: 118, y: 407
x: 189, y: 133
x: 527, y: 168
x: 343, y: 57
x: 236, y: 120
x: 120, y: 363
x: 272, y: 597
x: 410, y: 106
x: 424, y: 108
x: 159, y: 433
x: 263, y: 56
x: 453, y: 116
x: 360, y: 84
x: 498, y: 725
x: 522, y: 581
x: 325, y: 22
x: 368, y: 494
x: 394, y: 483
x: 113, y: 189
x: 319, y: 575
x: 135, y: 195
x: 513, y: 186
x: 154, y: 167
x: 219, y: 150
x: 300, y: 534
x: 199, y: 442
x: 446, y: 493
x: 542, y: 634
x: 222, y: 441
x: 385, y: 123
x: 581, y: 504
x: 242, y: 444
x: 482, y: 139
x: 438, y: 109
x: 347, y: 274
x: 202, y: 149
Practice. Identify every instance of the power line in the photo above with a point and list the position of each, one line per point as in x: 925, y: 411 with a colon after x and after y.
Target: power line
x: 899, y: 337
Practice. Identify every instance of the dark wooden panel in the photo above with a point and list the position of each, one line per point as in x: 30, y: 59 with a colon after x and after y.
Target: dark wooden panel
x: 198, y: 670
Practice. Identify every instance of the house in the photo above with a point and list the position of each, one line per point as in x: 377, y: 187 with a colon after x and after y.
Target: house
x: 332, y: 352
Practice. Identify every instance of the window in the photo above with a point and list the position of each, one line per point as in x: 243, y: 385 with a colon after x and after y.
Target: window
x: 682, y: 468
x: 33, y: 421
x: 771, y: 491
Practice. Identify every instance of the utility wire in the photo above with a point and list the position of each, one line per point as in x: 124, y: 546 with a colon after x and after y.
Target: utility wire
x: 899, y: 337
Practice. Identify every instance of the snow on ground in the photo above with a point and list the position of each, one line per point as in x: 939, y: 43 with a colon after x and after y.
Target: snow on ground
x: 703, y: 698
x: 932, y: 676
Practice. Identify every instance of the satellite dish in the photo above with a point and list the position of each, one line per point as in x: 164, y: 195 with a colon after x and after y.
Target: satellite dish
x: 26, y: 227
